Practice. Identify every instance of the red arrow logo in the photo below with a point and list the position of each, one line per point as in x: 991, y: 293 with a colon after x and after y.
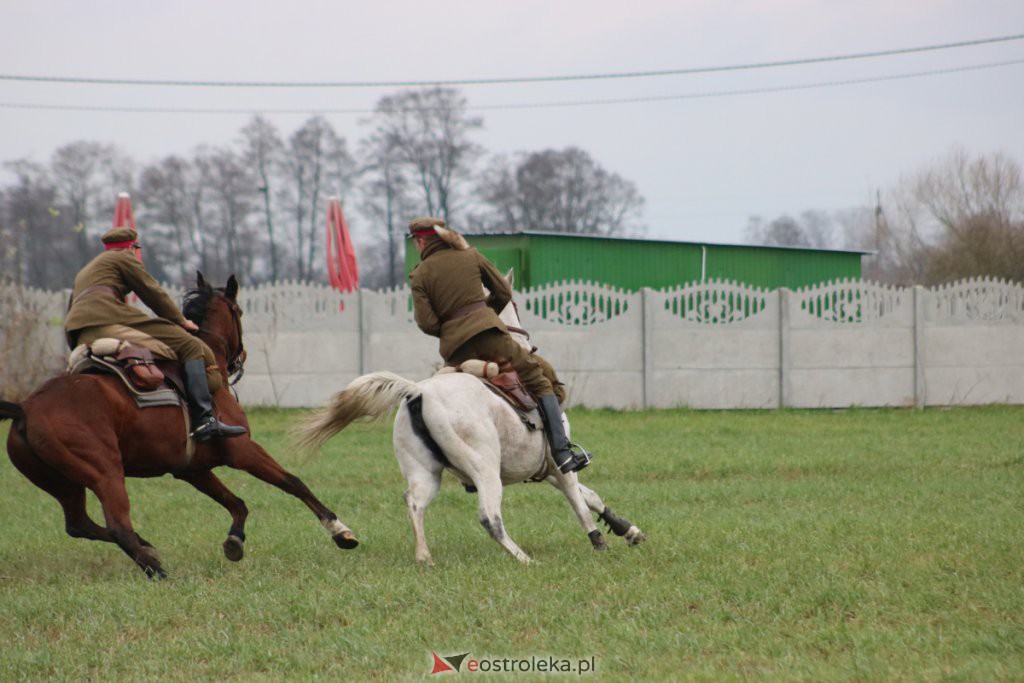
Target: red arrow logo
x: 440, y: 665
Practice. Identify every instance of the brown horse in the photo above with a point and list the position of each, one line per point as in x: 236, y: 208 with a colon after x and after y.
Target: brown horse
x: 84, y: 431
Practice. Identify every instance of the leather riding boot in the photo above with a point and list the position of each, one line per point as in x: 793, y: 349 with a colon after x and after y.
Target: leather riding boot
x: 204, y: 425
x: 568, y: 456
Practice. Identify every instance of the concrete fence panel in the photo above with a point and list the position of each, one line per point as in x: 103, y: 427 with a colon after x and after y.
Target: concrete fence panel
x: 850, y: 343
x: 974, y: 343
x: 703, y: 345
x: 714, y: 345
x: 590, y: 333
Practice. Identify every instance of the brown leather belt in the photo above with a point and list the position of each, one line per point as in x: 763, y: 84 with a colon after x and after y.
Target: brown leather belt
x: 99, y: 289
x: 463, y: 310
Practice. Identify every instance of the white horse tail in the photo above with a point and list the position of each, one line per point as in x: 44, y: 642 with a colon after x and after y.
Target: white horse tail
x: 373, y: 396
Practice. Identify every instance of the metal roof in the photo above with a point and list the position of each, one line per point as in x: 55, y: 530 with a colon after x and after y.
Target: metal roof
x: 544, y: 233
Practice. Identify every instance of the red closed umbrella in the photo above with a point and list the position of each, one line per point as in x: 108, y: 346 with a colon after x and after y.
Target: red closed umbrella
x: 342, y: 269
x: 124, y: 217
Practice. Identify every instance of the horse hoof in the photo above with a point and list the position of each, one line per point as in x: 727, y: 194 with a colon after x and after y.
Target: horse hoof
x: 346, y: 540
x: 233, y: 548
x: 635, y: 537
x: 597, y: 540
x: 155, y: 573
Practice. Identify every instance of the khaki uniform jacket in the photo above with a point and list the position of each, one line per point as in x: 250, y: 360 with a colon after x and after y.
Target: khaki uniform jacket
x: 447, y: 279
x: 117, y: 268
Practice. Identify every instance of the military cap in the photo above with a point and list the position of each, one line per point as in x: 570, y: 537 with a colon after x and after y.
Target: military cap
x: 425, y: 225
x: 119, y: 235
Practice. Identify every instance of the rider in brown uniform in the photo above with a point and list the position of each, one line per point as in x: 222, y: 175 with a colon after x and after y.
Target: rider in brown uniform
x: 98, y: 309
x: 448, y: 300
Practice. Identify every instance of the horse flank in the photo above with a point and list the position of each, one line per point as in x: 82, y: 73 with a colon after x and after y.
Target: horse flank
x: 373, y: 396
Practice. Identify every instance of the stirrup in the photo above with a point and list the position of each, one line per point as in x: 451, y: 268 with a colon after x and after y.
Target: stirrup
x: 578, y: 458
x: 212, y: 428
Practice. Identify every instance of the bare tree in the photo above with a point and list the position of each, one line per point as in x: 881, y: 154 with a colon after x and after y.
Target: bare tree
x: 318, y: 165
x: 559, y: 190
x: 386, y: 200
x: 165, y: 203
x: 88, y: 177
x: 960, y: 217
x: 427, y: 132
x: 263, y: 153
x: 813, y: 229
x: 232, y: 193
x: 38, y: 245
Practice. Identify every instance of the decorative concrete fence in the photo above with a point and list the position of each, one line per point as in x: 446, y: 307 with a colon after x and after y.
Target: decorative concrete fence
x: 710, y: 345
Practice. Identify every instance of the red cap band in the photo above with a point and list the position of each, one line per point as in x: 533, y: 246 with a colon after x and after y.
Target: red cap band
x: 118, y: 245
x: 424, y: 231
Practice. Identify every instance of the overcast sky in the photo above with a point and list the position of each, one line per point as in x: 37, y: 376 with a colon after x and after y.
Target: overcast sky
x: 704, y: 164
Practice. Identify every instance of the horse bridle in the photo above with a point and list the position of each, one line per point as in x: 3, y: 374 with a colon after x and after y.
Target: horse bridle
x: 519, y: 330
x: 236, y: 365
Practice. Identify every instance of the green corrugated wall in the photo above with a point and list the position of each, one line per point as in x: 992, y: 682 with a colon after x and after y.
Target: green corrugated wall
x: 633, y: 264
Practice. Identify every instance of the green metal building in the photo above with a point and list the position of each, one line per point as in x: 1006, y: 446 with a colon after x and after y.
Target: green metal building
x: 631, y: 264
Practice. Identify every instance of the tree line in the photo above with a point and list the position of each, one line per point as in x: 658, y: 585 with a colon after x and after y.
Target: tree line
x: 958, y: 217
x: 256, y: 207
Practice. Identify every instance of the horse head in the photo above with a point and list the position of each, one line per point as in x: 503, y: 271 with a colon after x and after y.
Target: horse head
x: 216, y: 311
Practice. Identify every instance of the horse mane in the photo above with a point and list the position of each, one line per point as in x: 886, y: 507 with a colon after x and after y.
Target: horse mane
x: 196, y: 302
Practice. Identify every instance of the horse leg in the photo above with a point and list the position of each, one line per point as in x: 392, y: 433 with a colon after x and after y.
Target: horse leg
x: 422, y: 486
x: 207, y: 482
x: 257, y: 462
x: 620, y: 526
x: 569, y: 485
x: 69, y: 494
x: 78, y: 523
x: 114, y: 498
x: 489, y: 490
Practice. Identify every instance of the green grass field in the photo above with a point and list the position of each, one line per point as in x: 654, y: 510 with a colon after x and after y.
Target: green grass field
x: 853, y: 545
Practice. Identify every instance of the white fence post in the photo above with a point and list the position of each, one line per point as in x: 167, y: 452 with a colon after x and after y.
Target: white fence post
x: 364, y: 331
x: 784, y: 333
x: 920, y: 397
x: 647, y: 330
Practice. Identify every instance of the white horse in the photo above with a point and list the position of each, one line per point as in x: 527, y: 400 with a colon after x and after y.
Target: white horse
x: 453, y: 421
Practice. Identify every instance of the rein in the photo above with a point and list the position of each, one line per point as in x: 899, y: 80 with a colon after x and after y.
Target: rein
x: 236, y: 365
x: 517, y: 330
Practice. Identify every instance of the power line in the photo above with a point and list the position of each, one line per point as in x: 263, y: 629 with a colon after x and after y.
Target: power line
x: 495, y: 81
x: 534, y: 105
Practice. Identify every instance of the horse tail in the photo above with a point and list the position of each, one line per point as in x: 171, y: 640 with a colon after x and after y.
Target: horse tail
x: 372, y: 396
x: 10, y: 411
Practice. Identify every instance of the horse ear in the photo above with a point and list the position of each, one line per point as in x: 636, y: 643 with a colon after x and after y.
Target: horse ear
x: 231, y: 289
x: 200, y: 281
x: 510, y: 276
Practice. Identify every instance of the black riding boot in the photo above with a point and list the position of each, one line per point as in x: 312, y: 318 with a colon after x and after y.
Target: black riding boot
x: 204, y: 425
x: 568, y: 456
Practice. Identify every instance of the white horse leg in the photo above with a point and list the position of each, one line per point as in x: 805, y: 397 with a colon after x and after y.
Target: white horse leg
x: 422, y: 487
x: 620, y: 526
x: 569, y: 485
x: 489, y: 490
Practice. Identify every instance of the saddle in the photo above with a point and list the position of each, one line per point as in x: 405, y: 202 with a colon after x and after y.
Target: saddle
x: 504, y: 381
x: 151, y: 382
